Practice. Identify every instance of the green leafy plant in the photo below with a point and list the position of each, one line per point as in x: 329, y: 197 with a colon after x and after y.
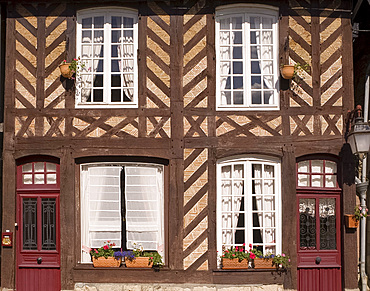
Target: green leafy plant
x: 360, y: 212
x: 281, y: 261
x: 239, y: 253
x: 105, y: 251
x: 298, y: 69
x: 75, y: 66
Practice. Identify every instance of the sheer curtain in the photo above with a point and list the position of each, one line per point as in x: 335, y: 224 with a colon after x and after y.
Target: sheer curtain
x: 144, y: 204
x: 92, y: 51
x: 125, y: 53
x: 224, y: 55
x: 264, y: 51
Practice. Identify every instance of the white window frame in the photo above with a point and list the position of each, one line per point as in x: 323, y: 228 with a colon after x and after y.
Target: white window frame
x: 107, y: 13
x: 247, y: 10
x: 116, y: 227
x: 247, y: 162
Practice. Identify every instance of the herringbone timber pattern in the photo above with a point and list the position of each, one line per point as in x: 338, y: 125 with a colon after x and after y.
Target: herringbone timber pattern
x: 29, y: 60
x: 158, y: 56
x: 158, y: 127
x: 195, y: 244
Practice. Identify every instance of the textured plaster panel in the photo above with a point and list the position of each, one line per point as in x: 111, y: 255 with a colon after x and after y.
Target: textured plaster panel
x: 54, y: 95
x: 27, y: 14
x: 25, y: 93
x: 159, y: 11
x: 293, y: 125
x: 335, y: 67
x: 48, y: 122
x: 25, y: 53
x: 203, y: 126
x: 79, y: 124
x: 165, y: 78
x: 25, y: 73
x: 198, y: 161
x: 296, y: 47
x: 194, y: 29
x: 195, y: 187
x: 275, y: 123
x: 194, y: 10
x: 165, y: 57
x: 196, y: 254
x: 55, y: 13
x: 55, y: 53
x: 300, y: 30
x: 330, y: 29
x: 195, y: 71
x: 60, y: 29
x: 259, y: 131
x: 336, y: 45
x: 157, y: 92
x: 166, y: 127
x: 158, y: 31
x: 195, y: 233
x: 195, y: 210
x: 194, y: 92
x: 195, y: 50
x: 25, y: 33
x: 325, y: 96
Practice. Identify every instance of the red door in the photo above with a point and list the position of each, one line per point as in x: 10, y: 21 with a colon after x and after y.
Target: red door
x: 318, y: 199
x: 38, y: 246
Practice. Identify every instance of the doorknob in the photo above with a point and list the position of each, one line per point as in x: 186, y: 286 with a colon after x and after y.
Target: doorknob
x: 318, y: 260
x: 39, y: 260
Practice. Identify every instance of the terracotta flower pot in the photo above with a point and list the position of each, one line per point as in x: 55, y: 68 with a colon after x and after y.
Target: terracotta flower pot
x: 351, y: 221
x: 109, y: 262
x: 260, y: 263
x: 287, y: 71
x: 138, y: 262
x: 229, y: 264
x: 65, y: 70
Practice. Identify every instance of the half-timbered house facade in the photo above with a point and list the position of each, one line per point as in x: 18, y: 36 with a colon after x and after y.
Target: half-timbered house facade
x: 178, y: 133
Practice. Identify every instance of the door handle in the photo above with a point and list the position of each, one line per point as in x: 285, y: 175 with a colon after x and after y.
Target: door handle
x: 318, y: 260
x: 39, y: 260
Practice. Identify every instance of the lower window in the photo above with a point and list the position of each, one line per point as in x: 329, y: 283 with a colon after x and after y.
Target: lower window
x: 121, y: 203
x: 249, y: 204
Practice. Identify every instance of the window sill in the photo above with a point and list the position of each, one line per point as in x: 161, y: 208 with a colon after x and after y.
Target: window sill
x: 91, y: 267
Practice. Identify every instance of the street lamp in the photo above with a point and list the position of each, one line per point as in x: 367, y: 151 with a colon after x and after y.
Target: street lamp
x: 359, y: 140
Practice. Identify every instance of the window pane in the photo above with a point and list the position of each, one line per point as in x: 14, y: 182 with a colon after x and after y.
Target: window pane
x: 303, y: 167
x: 256, y: 97
x: 98, y: 95
x: 255, y: 22
x: 39, y: 179
x: 87, y: 22
x: 266, y: 23
x: 330, y: 181
x: 39, y: 167
x: 307, y: 224
x: 98, y: 51
x: 99, y: 22
x: 128, y: 22
x: 51, y: 179
x: 237, y: 53
x: 48, y: 206
x: 327, y: 224
x: 330, y: 167
x: 238, y: 83
x: 238, y: 97
x: 256, y: 82
x: 116, y: 66
x: 86, y: 36
x: 98, y: 36
x: 237, y: 37
x: 29, y: 213
x: 27, y: 168
x: 27, y: 179
x: 116, y: 36
x: 116, y: 21
x: 303, y: 180
x: 237, y: 67
x: 116, y: 95
x: 255, y: 67
x: 224, y: 37
x: 237, y: 22
x: 317, y: 166
x: 98, y: 81
x: 317, y: 181
x: 268, y: 97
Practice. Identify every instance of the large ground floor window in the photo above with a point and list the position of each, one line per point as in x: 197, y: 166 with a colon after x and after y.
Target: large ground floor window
x: 249, y: 204
x: 122, y: 203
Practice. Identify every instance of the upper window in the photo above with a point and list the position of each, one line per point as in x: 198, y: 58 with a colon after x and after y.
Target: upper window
x: 317, y: 174
x: 107, y: 45
x: 247, y: 58
x: 122, y: 203
x: 38, y: 175
x: 248, y: 204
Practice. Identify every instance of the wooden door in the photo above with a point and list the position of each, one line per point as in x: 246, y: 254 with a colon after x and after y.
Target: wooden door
x: 319, y: 260
x: 38, y: 241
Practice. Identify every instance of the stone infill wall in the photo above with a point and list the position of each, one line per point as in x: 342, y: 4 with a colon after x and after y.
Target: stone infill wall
x: 173, y: 287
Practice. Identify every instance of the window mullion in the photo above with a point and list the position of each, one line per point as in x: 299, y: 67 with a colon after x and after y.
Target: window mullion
x: 106, y: 58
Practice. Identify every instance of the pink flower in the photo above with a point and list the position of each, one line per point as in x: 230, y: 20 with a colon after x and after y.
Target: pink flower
x: 236, y: 248
x: 283, y: 255
x: 289, y: 260
x: 241, y: 249
x: 252, y: 256
x: 106, y: 247
x: 250, y: 245
x: 233, y: 255
x: 95, y: 251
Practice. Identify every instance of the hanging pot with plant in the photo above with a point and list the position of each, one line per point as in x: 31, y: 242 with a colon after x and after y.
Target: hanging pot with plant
x: 287, y: 71
x: 68, y: 69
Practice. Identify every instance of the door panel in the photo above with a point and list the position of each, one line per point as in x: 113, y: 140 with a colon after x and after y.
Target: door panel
x: 38, y: 238
x: 319, y: 261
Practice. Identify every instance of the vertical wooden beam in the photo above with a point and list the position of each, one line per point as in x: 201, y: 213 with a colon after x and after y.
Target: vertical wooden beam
x: 211, y: 74
x: 40, y: 68
x: 69, y: 246
x: 143, y: 20
x: 177, y: 143
x: 212, y: 217
x: 315, y: 40
x: 289, y: 209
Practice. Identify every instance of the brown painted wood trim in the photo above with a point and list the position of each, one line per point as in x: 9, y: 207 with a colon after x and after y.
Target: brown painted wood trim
x: 212, y: 215
x: 40, y: 70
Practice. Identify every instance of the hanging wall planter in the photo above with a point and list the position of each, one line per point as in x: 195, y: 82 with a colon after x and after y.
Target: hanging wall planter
x: 287, y: 71
x: 65, y: 71
x: 351, y: 221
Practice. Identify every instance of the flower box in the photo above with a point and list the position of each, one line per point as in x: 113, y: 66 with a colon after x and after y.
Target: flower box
x: 229, y: 264
x: 138, y: 262
x: 260, y: 263
x: 287, y: 71
x: 351, y: 221
x: 109, y: 262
